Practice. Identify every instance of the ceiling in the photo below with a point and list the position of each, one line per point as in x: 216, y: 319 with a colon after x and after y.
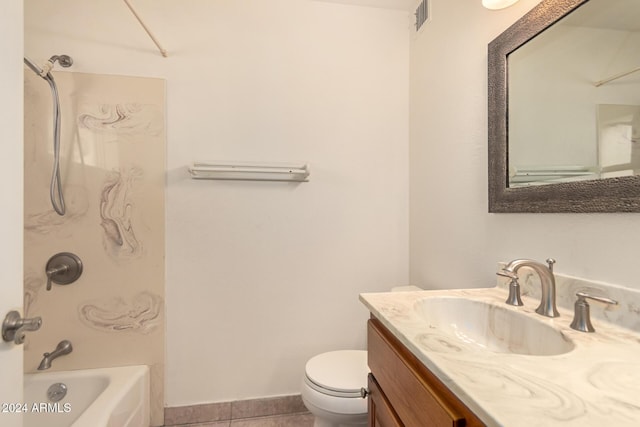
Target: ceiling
x: 407, y: 5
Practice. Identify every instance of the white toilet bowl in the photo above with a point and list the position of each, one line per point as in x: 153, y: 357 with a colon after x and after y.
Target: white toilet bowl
x: 331, y: 388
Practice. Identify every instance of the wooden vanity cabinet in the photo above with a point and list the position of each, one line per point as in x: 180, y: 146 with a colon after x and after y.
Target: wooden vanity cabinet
x: 381, y: 414
x: 403, y: 392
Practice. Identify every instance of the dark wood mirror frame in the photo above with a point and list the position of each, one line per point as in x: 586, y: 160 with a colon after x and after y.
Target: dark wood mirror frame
x: 603, y: 195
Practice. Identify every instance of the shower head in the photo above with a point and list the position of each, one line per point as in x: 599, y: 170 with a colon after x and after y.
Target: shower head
x: 56, y: 186
x: 63, y: 60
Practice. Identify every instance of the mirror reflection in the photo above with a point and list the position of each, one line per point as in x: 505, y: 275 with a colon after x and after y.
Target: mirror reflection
x: 574, y: 98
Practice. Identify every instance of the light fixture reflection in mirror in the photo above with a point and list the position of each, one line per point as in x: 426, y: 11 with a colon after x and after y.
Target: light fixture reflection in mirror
x: 498, y: 4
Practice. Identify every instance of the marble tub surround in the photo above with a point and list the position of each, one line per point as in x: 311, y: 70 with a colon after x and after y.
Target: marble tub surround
x: 597, y: 383
x: 112, y: 167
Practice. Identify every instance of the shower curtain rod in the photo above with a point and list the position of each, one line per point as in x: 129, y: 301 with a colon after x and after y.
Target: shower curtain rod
x: 160, y: 48
x: 616, y: 77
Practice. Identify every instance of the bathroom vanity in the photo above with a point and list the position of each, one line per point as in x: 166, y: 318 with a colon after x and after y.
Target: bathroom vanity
x: 403, y: 392
x: 465, y: 358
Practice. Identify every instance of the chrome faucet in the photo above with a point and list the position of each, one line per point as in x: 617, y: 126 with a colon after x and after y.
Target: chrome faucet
x: 547, y: 305
x: 63, y: 347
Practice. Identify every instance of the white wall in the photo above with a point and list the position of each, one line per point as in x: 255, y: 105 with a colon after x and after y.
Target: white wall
x: 454, y: 242
x: 261, y: 276
x: 11, y: 166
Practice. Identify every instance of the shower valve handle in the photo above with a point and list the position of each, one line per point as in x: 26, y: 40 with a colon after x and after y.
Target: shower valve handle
x: 55, y: 271
x: 63, y: 268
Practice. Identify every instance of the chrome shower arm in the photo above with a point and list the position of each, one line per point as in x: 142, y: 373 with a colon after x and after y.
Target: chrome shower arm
x: 64, y: 60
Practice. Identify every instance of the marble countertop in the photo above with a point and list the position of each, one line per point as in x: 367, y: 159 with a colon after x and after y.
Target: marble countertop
x: 595, y: 384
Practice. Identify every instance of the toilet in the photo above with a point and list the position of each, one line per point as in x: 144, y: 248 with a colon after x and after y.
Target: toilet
x: 332, y: 384
x: 331, y: 389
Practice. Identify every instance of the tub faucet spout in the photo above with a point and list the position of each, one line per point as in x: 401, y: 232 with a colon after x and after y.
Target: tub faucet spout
x: 63, y: 347
x: 547, y: 305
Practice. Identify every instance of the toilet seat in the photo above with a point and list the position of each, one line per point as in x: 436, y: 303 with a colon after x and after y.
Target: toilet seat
x: 330, y: 392
x: 340, y: 373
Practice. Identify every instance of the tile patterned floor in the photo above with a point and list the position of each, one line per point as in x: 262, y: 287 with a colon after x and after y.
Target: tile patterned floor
x: 282, y: 411
x: 294, y: 420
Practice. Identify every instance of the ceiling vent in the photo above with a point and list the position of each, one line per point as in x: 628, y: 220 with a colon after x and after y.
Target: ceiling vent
x: 422, y: 14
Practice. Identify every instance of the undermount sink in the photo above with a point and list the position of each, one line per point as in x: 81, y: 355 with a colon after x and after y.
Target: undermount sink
x: 467, y: 322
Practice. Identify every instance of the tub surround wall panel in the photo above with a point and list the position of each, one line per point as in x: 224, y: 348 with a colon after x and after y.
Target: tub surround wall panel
x: 266, y: 81
x: 113, y: 150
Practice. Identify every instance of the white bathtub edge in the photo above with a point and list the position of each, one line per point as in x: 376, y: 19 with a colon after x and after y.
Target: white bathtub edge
x: 122, y: 382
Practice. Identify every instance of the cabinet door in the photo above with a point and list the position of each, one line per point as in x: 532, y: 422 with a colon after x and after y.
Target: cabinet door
x: 381, y: 414
x: 413, y: 392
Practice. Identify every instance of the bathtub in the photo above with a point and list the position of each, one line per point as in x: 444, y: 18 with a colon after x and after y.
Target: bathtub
x: 106, y: 397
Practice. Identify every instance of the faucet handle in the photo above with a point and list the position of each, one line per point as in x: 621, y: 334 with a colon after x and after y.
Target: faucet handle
x: 507, y: 273
x: 582, y: 315
x: 52, y: 272
x: 550, y: 262
x: 605, y: 300
x: 514, y: 293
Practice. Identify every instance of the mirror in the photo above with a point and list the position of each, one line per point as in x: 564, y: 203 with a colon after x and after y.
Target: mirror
x: 564, y: 109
